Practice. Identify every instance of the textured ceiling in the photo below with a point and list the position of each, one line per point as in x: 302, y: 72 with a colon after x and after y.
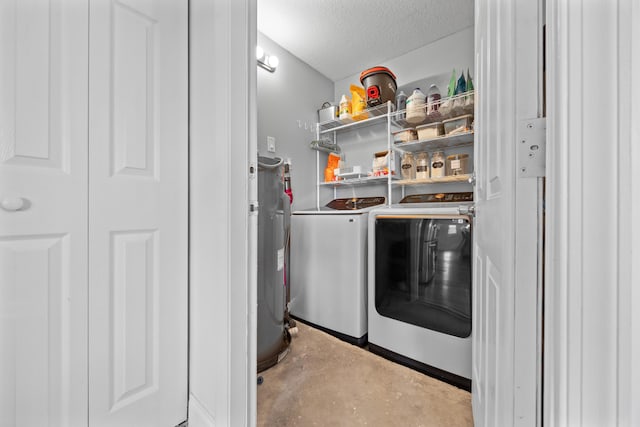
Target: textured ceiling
x: 340, y: 38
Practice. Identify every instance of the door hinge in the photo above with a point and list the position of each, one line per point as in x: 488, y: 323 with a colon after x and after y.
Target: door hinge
x: 532, y: 147
x: 253, y: 208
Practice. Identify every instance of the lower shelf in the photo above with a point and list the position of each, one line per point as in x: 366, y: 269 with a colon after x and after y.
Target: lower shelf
x: 357, y: 181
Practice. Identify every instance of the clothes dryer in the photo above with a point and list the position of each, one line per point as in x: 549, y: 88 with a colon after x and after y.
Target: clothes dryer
x: 419, y: 293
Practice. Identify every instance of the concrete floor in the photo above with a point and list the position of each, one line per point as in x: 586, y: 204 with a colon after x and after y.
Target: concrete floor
x: 326, y: 382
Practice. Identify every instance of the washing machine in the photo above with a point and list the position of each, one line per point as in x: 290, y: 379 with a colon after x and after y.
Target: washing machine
x: 419, y: 284
x: 329, y: 267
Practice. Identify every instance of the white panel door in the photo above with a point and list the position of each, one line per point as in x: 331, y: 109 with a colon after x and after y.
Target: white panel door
x: 494, y: 244
x: 43, y: 217
x: 508, y: 84
x: 138, y: 213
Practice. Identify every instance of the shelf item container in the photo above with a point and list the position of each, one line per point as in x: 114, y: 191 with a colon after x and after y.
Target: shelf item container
x: 405, y: 135
x: 432, y: 130
x: 328, y: 112
x: 380, y: 85
x: 459, y: 124
x: 458, y: 164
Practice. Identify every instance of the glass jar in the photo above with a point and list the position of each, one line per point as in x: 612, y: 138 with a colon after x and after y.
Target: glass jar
x: 437, y: 165
x: 422, y: 166
x: 458, y: 164
x: 408, y: 166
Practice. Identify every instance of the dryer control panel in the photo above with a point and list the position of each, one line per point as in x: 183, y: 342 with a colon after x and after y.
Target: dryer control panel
x: 439, y: 198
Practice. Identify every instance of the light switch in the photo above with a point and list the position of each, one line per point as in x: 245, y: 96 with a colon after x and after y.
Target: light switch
x: 271, y: 144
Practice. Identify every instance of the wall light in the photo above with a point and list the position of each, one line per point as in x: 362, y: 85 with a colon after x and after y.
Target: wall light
x: 266, y: 61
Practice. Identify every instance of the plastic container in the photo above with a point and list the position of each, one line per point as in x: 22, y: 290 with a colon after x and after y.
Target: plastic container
x: 380, y: 85
x: 432, y: 130
x: 437, y: 165
x: 457, y: 164
x: 469, y: 99
x: 345, y: 108
x: 401, y: 104
x: 416, y: 107
x: 422, y: 165
x: 458, y: 124
x: 433, y: 100
x: 347, y: 172
x: 405, y: 135
x: 408, y: 166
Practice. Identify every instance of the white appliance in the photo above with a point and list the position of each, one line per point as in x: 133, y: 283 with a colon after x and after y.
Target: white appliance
x: 419, y: 286
x: 329, y: 267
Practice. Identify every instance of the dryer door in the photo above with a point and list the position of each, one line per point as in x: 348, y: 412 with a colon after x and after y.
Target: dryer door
x: 423, y: 271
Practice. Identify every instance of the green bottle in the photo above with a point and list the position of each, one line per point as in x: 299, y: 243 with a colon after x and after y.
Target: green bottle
x: 452, y: 84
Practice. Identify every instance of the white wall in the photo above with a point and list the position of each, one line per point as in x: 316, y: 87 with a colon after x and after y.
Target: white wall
x: 288, y: 101
x: 431, y: 63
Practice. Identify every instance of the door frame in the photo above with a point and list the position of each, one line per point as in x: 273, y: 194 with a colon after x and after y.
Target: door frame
x: 223, y: 34
x: 592, y: 334
x: 223, y: 224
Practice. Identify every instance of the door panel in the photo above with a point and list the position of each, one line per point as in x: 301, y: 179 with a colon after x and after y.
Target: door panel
x: 35, y: 333
x: 508, y: 76
x: 43, y: 243
x: 495, y: 233
x: 138, y: 213
x: 134, y: 321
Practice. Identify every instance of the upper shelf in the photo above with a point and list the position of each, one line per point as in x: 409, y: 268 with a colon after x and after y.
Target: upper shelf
x: 445, y: 108
x: 367, y: 117
x: 442, y: 109
x: 440, y: 142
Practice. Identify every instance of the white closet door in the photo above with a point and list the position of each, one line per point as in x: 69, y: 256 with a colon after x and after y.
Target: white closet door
x: 138, y: 213
x: 508, y: 81
x: 493, y: 284
x: 43, y: 219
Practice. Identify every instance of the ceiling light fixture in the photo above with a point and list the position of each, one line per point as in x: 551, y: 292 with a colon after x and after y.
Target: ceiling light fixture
x: 266, y: 61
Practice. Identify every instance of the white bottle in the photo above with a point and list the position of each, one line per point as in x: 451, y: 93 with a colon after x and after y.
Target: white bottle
x: 416, y: 111
x: 345, y: 108
x: 401, y: 104
x: 433, y: 99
